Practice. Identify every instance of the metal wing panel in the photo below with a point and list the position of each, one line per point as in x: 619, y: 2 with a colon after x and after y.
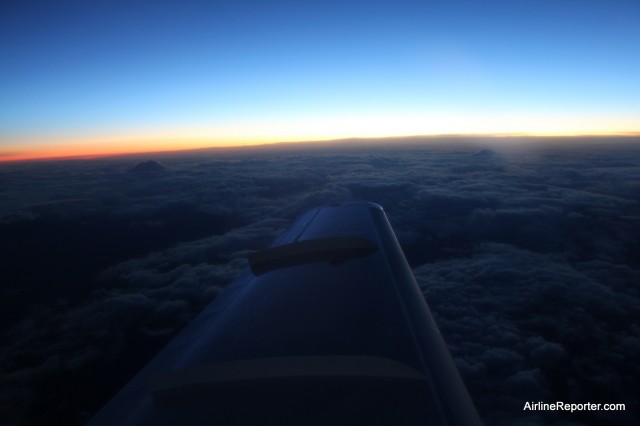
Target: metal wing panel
x: 334, y: 329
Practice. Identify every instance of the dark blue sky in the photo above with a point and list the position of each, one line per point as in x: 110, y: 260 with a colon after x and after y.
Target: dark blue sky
x: 78, y: 73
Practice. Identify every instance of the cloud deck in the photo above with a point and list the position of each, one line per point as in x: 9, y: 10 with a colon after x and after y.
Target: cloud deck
x: 528, y: 259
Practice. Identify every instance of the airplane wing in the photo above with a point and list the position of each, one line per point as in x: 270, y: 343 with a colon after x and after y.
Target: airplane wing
x: 328, y: 326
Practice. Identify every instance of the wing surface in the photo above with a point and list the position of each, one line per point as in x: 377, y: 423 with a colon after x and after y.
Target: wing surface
x: 328, y: 326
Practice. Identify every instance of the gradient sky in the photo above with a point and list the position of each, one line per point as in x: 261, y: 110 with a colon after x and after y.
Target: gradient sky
x: 107, y: 76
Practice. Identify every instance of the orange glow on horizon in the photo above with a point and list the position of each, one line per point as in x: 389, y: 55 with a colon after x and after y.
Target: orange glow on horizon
x: 104, y: 148
x: 316, y: 129
x: 141, y: 147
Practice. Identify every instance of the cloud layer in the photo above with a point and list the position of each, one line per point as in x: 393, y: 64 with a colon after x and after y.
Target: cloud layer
x: 527, y: 257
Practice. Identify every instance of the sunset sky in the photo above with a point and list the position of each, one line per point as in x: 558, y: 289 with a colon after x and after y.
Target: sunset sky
x: 108, y: 76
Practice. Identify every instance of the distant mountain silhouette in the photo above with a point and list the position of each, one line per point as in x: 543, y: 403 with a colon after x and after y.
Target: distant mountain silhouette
x: 148, y: 166
x: 485, y: 153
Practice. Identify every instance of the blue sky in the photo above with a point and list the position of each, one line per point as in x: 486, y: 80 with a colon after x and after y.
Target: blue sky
x: 211, y: 70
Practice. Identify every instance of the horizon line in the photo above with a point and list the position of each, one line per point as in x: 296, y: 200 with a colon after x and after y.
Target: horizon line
x: 15, y: 157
